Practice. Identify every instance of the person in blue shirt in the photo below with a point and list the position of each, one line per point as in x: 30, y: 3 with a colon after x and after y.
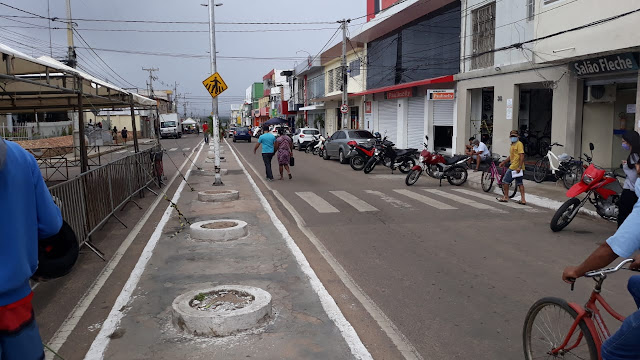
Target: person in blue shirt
x: 28, y: 214
x: 267, y: 140
x: 625, y: 343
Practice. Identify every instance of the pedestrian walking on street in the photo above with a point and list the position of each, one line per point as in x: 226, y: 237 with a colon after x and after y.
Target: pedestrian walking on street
x: 115, y: 134
x: 28, y: 214
x: 628, y: 198
x: 516, y: 169
x: 284, y: 148
x: 205, y: 130
x: 267, y: 140
x: 124, y: 135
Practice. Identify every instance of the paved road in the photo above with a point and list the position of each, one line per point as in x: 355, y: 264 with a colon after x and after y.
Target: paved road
x: 55, y: 300
x: 453, y: 269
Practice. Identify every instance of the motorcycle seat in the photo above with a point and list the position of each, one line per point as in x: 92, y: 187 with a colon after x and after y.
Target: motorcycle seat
x: 454, y: 159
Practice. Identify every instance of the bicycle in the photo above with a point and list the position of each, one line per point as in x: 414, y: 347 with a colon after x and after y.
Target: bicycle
x: 493, y: 173
x: 568, y: 169
x: 580, y: 323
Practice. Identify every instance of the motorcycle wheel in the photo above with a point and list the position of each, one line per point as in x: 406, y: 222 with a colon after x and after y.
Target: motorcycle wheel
x: 457, y: 176
x: 357, y: 162
x: 371, y: 164
x: 407, y: 165
x: 315, y: 151
x: 308, y: 149
x: 563, y: 216
x: 412, y: 177
x: 572, y: 176
x: 541, y: 170
x: 487, y: 181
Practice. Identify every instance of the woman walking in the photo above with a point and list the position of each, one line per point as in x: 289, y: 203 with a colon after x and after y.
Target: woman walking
x: 631, y: 143
x: 284, y: 147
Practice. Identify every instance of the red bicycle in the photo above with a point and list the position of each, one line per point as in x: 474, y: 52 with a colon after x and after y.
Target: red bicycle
x: 554, y: 328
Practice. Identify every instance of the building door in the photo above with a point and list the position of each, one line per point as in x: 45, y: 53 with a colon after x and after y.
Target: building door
x: 443, y: 123
x: 388, y: 119
x: 415, y: 122
x: 355, y: 118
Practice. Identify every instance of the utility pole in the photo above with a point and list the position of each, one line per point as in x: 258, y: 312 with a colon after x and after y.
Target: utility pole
x: 185, y: 109
x: 345, y: 77
x: 214, y: 113
x: 152, y: 96
x: 175, y: 95
x: 71, y: 51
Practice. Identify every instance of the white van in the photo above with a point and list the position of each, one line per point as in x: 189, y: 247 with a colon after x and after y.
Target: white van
x: 169, y: 126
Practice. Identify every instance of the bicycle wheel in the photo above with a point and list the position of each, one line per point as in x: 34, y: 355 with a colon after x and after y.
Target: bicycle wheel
x: 573, y: 175
x: 545, y: 328
x: 513, y: 189
x: 486, y: 180
x: 541, y: 170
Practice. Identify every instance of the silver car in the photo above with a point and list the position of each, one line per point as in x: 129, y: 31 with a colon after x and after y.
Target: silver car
x: 336, y: 145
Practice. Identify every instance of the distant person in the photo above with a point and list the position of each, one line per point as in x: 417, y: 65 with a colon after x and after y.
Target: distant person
x: 284, y: 147
x: 28, y: 214
x: 124, y: 134
x: 628, y: 198
x: 205, y: 130
x: 267, y: 140
x: 516, y: 158
x: 479, y: 152
x: 115, y: 134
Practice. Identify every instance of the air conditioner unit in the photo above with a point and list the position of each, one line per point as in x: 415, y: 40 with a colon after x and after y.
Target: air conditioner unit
x: 600, y: 93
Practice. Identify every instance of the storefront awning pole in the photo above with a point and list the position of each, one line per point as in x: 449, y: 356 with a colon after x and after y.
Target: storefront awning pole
x: 84, y: 163
x: 133, y: 125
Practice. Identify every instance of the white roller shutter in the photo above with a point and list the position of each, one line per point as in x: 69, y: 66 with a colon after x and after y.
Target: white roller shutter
x: 415, y: 123
x: 388, y: 119
x: 443, y: 112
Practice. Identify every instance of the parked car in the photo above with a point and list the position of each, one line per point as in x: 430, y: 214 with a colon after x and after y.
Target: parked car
x: 232, y: 130
x: 242, y: 133
x: 303, y: 137
x: 336, y: 145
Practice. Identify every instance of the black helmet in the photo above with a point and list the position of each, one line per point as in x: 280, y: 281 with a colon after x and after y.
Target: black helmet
x: 57, y: 254
x: 377, y: 135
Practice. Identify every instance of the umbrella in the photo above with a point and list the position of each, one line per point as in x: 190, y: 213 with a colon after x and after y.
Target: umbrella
x: 275, y: 121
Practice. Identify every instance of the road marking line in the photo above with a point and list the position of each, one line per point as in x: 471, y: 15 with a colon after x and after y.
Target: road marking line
x: 391, y: 200
x: 329, y: 305
x: 318, y: 203
x: 173, y: 149
x: 100, y: 343
x: 464, y: 201
x: 493, y: 199
x: 425, y: 200
x: 350, y: 199
x: 186, y: 149
x: 121, y: 151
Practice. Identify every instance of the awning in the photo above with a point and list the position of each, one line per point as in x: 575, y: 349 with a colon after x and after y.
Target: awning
x: 312, y: 107
x: 438, y: 80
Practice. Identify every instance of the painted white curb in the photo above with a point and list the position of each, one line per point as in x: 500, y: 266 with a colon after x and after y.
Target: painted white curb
x: 212, y: 323
x: 203, y: 172
x: 218, y: 195
x: 200, y: 233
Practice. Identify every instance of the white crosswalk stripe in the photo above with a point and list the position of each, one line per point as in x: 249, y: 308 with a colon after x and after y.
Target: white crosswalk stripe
x: 492, y: 198
x: 391, y: 200
x: 464, y: 201
x: 425, y: 200
x: 173, y: 149
x: 318, y: 203
x: 350, y: 199
x: 121, y: 152
x: 186, y: 149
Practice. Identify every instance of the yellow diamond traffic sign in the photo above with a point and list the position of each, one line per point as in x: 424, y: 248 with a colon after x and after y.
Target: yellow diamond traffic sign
x: 215, y: 85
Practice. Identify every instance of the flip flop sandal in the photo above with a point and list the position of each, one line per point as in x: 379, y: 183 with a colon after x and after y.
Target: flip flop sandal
x: 521, y: 203
x: 501, y: 199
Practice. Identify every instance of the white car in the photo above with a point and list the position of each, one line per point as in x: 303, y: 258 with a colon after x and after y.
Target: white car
x: 303, y: 136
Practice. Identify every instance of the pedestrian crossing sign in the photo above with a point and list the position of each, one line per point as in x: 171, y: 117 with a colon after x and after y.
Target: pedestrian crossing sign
x: 215, y: 85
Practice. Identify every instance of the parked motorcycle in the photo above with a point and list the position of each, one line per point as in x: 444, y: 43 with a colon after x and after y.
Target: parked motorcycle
x: 439, y: 167
x: 602, y: 189
x: 386, y: 155
x: 311, y: 147
x: 359, y: 154
x: 319, y: 148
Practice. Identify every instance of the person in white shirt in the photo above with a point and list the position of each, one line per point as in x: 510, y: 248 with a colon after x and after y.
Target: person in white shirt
x: 480, y: 153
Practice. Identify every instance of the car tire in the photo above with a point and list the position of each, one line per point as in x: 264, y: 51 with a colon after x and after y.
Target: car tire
x: 249, y: 139
x: 325, y: 155
x: 300, y: 147
x: 341, y: 157
x: 234, y: 140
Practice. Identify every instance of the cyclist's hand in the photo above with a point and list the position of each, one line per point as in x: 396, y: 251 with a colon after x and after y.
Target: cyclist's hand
x: 635, y: 265
x: 570, y: 274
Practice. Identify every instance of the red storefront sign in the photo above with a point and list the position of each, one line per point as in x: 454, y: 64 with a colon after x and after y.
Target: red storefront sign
x: 398, y: 94
x: 441, y: 94
x: 367, y: 107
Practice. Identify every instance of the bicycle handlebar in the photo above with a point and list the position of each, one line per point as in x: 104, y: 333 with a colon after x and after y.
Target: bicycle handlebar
x: 601, y: 272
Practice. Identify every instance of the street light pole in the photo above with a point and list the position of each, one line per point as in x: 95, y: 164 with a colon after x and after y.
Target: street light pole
x: 214, y: 112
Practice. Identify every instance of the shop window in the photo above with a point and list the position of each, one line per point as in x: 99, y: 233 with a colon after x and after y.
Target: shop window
x: 331, y: 80
x: 484, y: 28
x: 531, y: 9
x: 338, y: 81
x: 354, y: 68
x: 443, y: 137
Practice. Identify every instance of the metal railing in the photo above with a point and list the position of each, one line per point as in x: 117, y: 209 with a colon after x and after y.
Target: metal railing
x: 89, y: 200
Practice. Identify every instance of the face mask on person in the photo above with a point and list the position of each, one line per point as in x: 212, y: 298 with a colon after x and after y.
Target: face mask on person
x: 626, y: 146
x: 513, y: 139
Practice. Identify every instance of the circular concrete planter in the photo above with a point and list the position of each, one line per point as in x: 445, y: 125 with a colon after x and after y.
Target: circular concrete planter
x: 218, y: 230
x: 203, y: 172
x: 209, y: 160
x: 211, y: 155
x: 218, y: 195
x: 224, y: 321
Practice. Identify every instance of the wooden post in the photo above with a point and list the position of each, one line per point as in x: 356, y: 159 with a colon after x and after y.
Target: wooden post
x: 136, y: 148
x: 84, y: 162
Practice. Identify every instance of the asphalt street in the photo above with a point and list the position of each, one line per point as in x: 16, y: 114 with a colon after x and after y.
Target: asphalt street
x: 454, y: 270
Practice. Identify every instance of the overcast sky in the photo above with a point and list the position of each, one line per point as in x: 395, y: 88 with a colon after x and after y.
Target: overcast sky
x: 187, y: 71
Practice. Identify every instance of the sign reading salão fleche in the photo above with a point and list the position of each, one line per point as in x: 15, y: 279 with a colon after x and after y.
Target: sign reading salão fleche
x: 605, y: 64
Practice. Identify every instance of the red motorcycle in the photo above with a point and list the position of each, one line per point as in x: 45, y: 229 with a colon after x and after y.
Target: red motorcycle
x: 360, y: 154
x: 603, y: 191
x: 439, y: 167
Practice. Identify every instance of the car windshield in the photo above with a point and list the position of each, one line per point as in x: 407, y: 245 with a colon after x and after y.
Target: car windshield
x: 242, y: 129
x: 169, y: 124
x: 311, y: 132
x: 360, y: 134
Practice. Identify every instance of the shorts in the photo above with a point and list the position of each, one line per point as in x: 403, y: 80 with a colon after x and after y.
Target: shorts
x: 508, y: 178
x: 482, y: 157
x: 26, y: 344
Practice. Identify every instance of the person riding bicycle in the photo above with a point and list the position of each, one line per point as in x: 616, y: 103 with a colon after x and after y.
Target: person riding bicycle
x: 625, y: 343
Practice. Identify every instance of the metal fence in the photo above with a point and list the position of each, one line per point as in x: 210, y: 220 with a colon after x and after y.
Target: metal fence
x: 89, y: 200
